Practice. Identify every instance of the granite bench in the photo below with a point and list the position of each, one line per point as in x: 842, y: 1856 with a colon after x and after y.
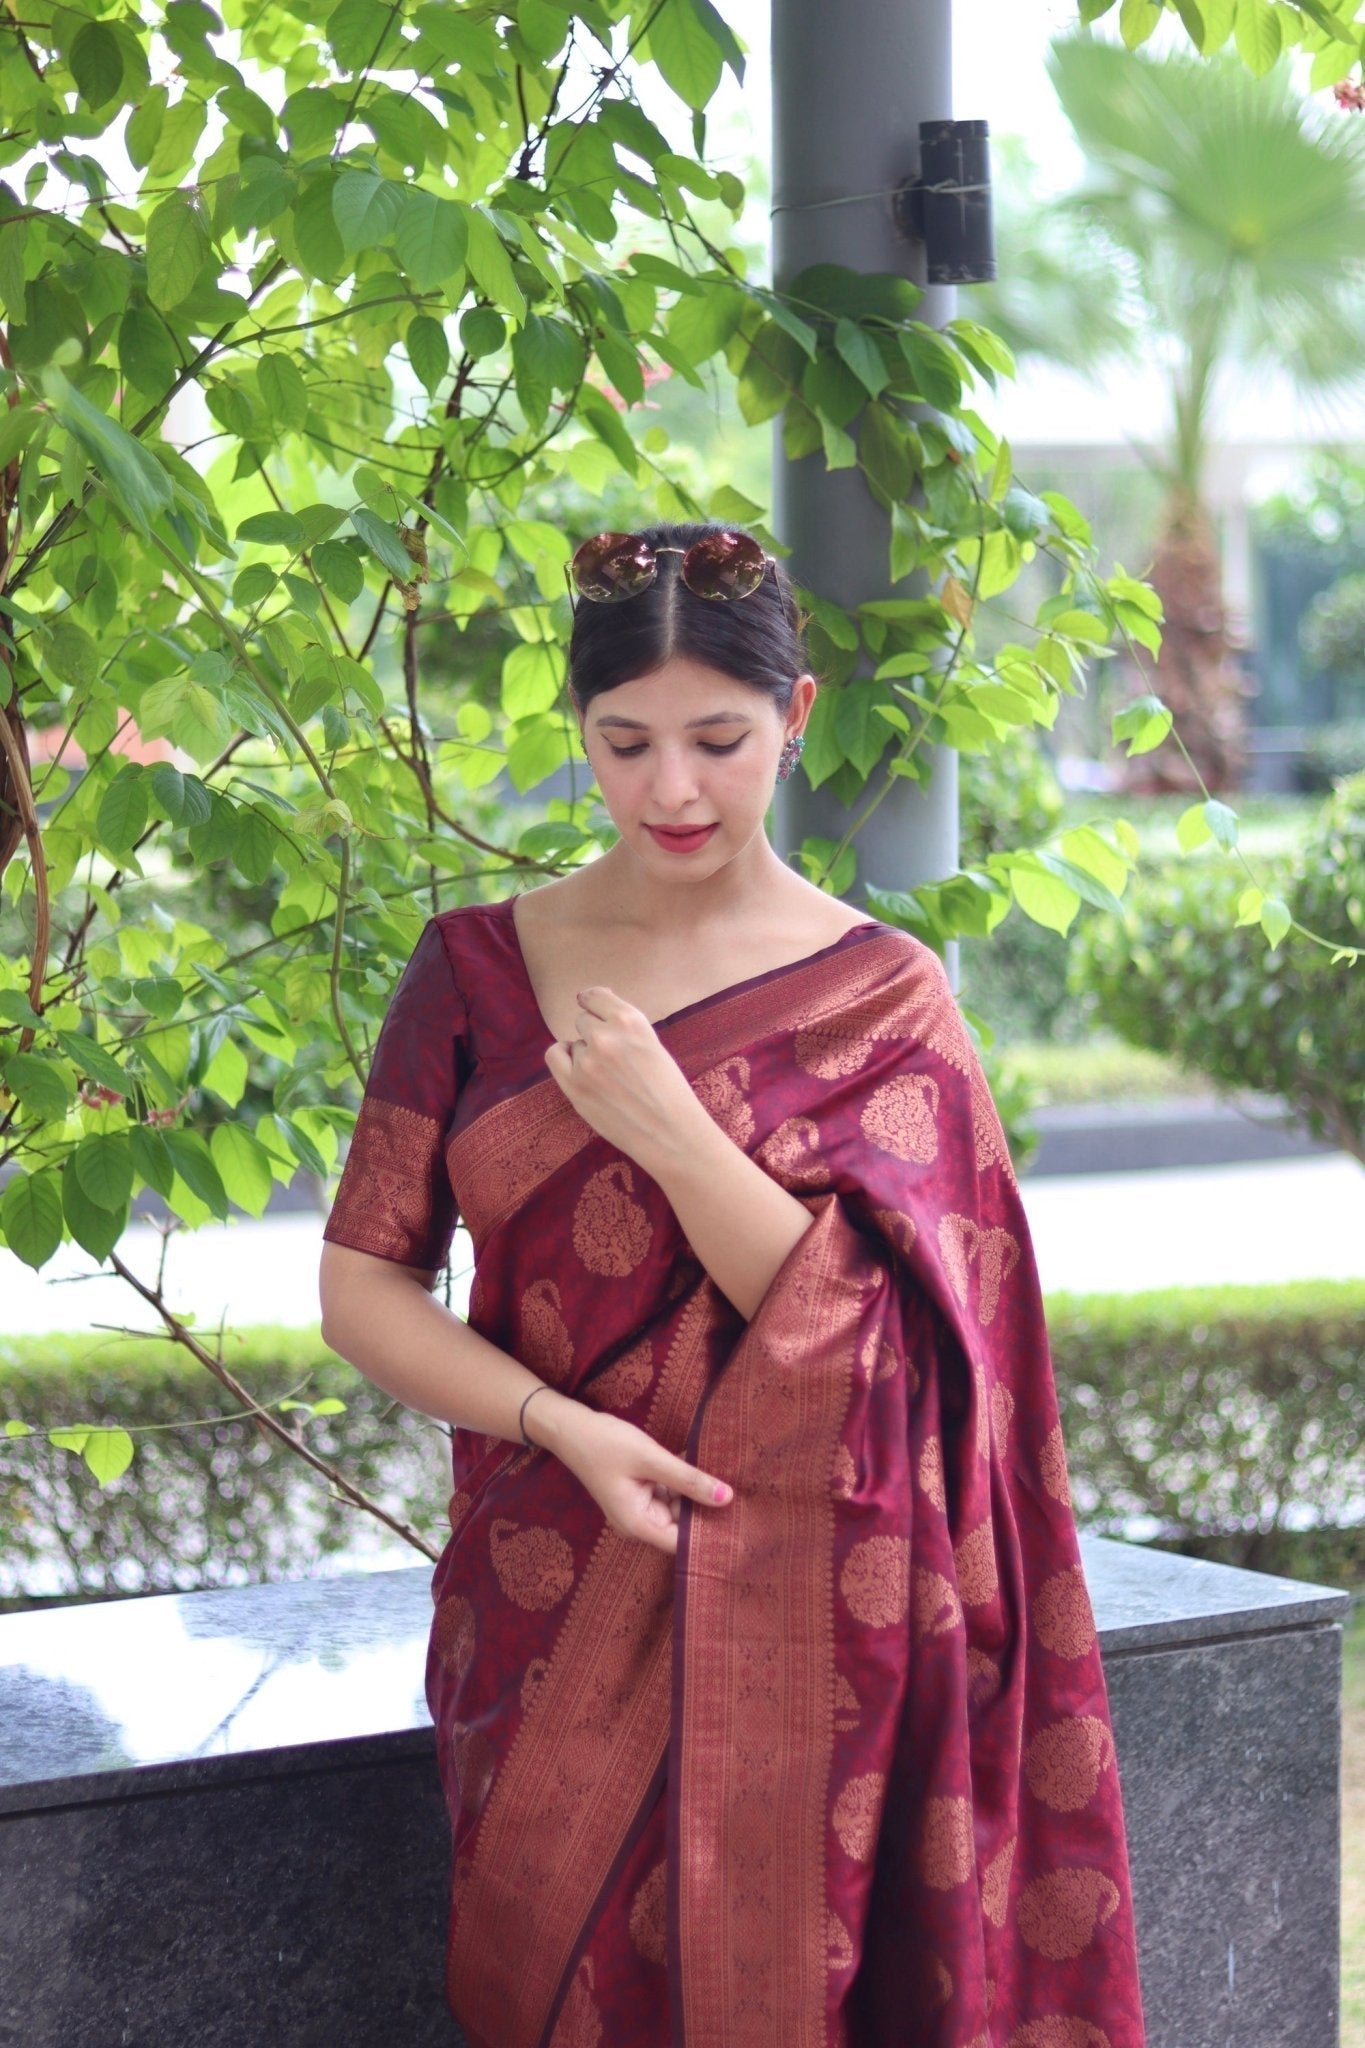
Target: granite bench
x: 221, y: 1823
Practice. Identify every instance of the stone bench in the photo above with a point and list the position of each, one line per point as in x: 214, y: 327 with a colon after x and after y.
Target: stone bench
x: 221, y: 1824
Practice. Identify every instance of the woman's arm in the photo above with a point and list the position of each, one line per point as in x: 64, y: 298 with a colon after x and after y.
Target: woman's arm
x: 383, y: 1319
x: 620, y: 1078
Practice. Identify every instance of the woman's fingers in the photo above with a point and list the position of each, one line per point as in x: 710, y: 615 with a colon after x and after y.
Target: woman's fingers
x: 685, y: 1479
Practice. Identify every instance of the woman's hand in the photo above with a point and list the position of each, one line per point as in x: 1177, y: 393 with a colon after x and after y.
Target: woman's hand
x: 639, y: 1486
x: 621, y: 1079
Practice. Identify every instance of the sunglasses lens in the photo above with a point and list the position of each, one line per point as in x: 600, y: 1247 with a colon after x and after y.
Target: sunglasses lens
x: 612, y: 566
x: 724, y: 565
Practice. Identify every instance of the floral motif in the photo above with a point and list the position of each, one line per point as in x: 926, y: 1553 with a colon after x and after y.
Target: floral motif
x: 1062, y: 1614
x: 857, y: 1811
x: 1052, y: 1465
x: 1064, y: 1761
x: 945, y: 1854
x: 875, y: 1580
x: 938, y: 1611
x: 534, y: 1566
x: 974, y: 1558
x: 995, y: 1882
x: 1060, y: 1911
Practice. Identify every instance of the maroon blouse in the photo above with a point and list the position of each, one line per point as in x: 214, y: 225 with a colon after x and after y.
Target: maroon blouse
x: 462, y: 1031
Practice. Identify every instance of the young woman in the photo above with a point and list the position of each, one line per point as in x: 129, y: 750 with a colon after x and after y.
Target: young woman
x: 768, y: 1702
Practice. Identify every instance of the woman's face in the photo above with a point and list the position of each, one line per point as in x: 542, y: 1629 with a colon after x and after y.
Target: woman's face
x: 686, y: 759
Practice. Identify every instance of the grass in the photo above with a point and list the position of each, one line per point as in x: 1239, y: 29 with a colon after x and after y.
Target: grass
x: 1353, y: 1833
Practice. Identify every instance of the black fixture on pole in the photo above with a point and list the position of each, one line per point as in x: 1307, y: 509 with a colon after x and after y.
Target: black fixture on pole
x: 948, y: 206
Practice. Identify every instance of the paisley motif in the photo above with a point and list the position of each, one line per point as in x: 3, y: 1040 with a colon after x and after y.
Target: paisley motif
x: 611, y: 1232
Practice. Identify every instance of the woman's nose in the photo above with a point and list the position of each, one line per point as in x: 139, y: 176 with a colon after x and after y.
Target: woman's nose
x: 675, y: 779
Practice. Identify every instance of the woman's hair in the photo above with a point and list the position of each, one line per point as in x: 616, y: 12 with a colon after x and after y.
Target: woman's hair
x: 755, y: 639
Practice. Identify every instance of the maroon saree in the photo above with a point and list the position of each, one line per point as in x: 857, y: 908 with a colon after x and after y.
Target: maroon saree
x: 842, y: 1774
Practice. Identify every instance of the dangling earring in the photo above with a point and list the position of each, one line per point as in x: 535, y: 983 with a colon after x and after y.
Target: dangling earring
x: 791, y: 753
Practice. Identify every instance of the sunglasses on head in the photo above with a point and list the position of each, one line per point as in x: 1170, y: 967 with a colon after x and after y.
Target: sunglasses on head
x: 614, y: 566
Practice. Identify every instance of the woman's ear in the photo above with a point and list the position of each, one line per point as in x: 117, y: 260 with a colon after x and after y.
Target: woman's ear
x: 803, y: 697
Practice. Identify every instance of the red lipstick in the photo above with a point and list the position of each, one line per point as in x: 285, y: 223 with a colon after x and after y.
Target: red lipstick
x: 686, y: 841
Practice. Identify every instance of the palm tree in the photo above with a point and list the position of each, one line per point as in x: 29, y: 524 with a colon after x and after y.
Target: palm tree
x: 1221, y: 221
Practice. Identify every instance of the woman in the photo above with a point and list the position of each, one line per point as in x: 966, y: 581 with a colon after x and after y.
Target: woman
x: 768, y: 1703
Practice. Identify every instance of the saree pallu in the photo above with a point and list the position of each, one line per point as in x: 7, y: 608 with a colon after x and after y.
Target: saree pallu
x: 842, y: 1775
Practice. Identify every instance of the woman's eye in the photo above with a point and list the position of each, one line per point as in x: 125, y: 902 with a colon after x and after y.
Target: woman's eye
x: 627, y: 753
x: 708, y: 747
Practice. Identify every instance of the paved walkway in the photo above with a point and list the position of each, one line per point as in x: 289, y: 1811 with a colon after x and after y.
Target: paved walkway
x: 1277, y: 1220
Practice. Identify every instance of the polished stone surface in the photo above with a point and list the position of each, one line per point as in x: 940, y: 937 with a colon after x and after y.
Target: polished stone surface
x: 221, y: 1823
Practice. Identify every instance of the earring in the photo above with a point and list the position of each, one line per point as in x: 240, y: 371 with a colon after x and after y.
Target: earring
x: 792, y: 750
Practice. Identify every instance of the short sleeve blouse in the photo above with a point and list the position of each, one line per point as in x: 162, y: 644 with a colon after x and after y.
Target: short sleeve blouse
x: 394, y: 1198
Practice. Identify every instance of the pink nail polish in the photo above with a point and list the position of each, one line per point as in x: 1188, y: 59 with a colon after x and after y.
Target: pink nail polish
x: 722, y: 1492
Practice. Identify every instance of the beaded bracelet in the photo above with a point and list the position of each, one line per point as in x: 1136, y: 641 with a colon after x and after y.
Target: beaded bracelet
x: 521, y: 1425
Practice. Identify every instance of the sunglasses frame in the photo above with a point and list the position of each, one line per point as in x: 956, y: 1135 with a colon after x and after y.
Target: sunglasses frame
x: 717, y: 597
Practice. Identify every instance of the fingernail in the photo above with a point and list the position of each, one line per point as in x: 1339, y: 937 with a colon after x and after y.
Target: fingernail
x: 722, y: 1492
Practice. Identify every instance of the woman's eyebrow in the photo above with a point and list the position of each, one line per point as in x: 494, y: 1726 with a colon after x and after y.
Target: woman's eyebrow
x: 711, y: 718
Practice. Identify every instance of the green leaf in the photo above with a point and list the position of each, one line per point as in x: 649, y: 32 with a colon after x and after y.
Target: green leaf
x: 531, y: 676
x: 1275, y: 921
x: 490, y: 266
x: 284, y: 393
x: 243, y: 1166
x: 123, y: 810
x: 1137, y: 20
x: 366, y: 209
x: 42, y: 1084
x: 152, y: 1159
x: 1043, y: 896
x: 192, y: 1161
x: 1222, y: 823
x: 97, y: 1230
x: 92, y: 1060
x: 431, y: 238
x: 31, y: 1216
x: 428, y: 350
x: 862, y: 356
x: 340, y: 568
x: 382, y: 541
x: 272, y: 529
x: 135, y: 478
x: 108, y: 1453
x: 482, y: 331
x: 96, y: 63
x: 103, y: 1165
x: 1192, y: 829
x: 1259, y: 40
x: 177, y: 250
x: 1144, y: 724
x: 680, y: 43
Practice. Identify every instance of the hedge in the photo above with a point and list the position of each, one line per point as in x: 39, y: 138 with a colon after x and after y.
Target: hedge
x: 1209, y: 1413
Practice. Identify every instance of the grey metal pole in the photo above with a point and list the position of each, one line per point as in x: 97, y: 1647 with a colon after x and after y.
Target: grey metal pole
x: 851, y: 81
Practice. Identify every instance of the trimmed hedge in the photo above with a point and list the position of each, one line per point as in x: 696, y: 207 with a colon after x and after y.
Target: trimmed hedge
x: 220, y: 1504
x: 1209, y: 1411
x: 1214, y: 1411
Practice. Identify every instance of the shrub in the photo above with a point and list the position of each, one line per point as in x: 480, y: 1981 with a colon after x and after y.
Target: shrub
x: 218, y: 1504
x: 1216, y: 1412
x: 1176, y: 974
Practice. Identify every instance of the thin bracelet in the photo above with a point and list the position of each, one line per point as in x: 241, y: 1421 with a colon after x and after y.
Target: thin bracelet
x: 521, y: 1424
